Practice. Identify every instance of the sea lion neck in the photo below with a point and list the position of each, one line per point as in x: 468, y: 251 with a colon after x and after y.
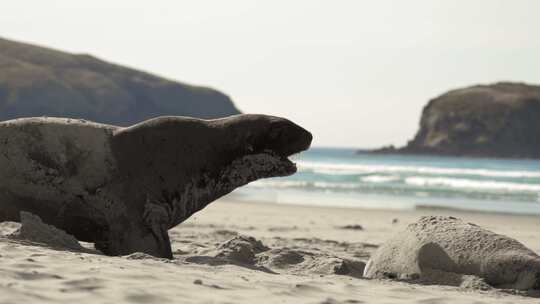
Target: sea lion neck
x: 169, y: 149
x: 191, y: 162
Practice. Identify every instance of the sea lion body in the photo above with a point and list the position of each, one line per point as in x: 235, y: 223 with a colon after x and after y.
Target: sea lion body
x: 450, y: 245
x: 123, y: 188
x: 56, y: 168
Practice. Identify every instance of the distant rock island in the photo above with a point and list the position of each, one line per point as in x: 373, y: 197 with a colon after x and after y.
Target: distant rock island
x: 501, y: 120
x: 38, y: 81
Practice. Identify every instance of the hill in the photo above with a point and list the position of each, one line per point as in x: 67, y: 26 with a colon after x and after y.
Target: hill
x: 38, y: 81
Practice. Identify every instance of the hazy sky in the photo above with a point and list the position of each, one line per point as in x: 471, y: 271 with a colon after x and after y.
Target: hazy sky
x: 355, y: 73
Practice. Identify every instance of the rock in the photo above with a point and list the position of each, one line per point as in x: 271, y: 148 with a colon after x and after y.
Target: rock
x: 446, y: 250
x: 33, y: 229
x: 499, y: 120
x: 38, y: 81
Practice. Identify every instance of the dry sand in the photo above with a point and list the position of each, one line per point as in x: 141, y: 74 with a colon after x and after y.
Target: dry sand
x: 237, y: 252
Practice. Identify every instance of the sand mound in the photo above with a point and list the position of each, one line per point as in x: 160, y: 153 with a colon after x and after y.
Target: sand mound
x: 339, y: 266
x: 249, y: 252
x: 144, y: 256
x: 7, y: 228
x: 241, y: 249
x: 33, y: 229
x: 282, y: 258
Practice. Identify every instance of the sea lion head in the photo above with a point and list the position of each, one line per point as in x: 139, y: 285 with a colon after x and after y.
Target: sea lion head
x: 272, y: 137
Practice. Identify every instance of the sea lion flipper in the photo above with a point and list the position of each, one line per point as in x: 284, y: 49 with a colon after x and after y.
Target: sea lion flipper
x: 164, y: 244
x: 157, y: 217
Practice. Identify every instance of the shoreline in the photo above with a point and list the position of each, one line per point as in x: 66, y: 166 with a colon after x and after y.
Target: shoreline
x: 397, y: 203
x: 418, y: 211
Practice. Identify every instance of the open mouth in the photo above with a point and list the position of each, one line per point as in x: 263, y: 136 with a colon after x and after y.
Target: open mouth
x: 283, y: 166
x: 257, y: 165
x: 270, y: 163
x: 271, y: 158
x: 279, y: 159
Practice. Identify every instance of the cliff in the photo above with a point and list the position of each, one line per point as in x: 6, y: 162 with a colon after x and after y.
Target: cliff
x: 500, y: 120
x: 38, y: 81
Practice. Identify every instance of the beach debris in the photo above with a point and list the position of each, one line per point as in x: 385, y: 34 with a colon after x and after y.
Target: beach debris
x: 282, y: 229
x: 352, y: 227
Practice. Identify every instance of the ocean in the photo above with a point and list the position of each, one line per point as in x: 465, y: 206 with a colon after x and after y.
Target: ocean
x: 344, y: 178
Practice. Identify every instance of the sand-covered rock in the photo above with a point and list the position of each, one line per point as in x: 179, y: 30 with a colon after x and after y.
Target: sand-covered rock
x: 33, y: 229
x: 437, y: 245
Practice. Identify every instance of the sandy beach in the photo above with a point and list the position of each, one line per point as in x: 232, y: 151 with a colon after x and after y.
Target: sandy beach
x: 270, y: 152
x: 239, y: 252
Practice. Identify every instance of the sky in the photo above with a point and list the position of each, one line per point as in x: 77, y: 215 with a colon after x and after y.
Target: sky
x: 355, y: 73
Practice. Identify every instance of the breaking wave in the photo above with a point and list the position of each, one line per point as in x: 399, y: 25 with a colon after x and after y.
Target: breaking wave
x: 351, y: 169
x: 421, y: 178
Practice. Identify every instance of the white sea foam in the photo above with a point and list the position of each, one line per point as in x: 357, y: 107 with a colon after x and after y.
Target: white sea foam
x: 471, y: 184
x: 330, y: 185
x: 301, y: 184
x: 406, y: 179
x: 421, y: 181
x: 347, y: 169
x: 276, y: 183
x: 379, y: 178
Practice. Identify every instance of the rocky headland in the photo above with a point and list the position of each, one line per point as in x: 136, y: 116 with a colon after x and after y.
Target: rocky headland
x: 501, y: 120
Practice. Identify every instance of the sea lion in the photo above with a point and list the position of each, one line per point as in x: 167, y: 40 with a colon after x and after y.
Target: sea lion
x: 123, y: 188
x: 449, y: 245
